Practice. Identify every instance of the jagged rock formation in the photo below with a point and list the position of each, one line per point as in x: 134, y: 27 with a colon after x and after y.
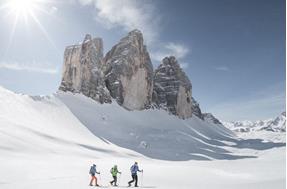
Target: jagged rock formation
x: 172, y: 88
x: 196, y: 109
x: 126, y: 74
x: 129, y: 72
x: 210, y: 118
x: 82, y: 70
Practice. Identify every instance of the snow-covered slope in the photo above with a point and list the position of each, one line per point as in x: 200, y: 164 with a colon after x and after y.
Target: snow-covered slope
x: 157, y: 134
x: 43, y: 145
x: 154, y: 133
x: 36, y: 125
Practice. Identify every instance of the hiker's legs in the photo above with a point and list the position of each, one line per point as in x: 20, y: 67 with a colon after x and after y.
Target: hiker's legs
x: 96, y: 180
x: 133, y: 176
x: 92, y: 179
x: 136, y: 179
x: 115, y: 180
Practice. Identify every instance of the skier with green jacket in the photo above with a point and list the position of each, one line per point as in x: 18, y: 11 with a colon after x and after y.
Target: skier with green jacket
x: 114, y: 172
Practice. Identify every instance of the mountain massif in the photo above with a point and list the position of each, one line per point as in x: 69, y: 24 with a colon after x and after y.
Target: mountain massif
x: 126, y: 74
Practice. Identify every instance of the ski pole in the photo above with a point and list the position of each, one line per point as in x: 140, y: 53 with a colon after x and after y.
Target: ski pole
x: 142, y: 179
x: 100, y: 177
x: 119, y: 179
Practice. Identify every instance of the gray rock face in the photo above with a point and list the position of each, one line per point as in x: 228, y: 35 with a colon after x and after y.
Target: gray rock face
x: 82, y: 71
x: 210, y: 118
x: 129, y: 72
x: 126, y: 74
x: 172, y: 88
x: 196, y: 109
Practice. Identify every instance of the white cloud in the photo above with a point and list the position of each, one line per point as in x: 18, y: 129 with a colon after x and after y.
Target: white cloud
x: 142, y: 15
x: 30, y: 67
x: 178, y: 49
x: 128, y: 14
x: 222, y: 68
x: 172, y: 49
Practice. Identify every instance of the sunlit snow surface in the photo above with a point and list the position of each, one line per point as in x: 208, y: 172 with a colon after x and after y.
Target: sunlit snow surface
x: 50, y: 142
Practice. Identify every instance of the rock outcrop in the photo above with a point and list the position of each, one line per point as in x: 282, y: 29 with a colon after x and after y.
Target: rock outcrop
x: 82, y: 71
x: 129, y: 72
x: 196, y: 109
x: 126, y: 74
x: 210, y: 118
x: 172, y: 88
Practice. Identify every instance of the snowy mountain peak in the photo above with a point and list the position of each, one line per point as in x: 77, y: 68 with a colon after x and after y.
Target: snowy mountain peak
x: 277, y: 124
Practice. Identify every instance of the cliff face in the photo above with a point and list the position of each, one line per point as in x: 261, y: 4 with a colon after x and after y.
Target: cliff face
x: 172, y: 88
x: 129, y: 72
x: 126, y: 74
x: 82, y: 71
x: 196, y: 109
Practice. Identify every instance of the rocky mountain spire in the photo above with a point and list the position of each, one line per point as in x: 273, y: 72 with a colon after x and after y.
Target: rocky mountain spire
x: 126, y: 74
x: 82, y: 70
x: 172, y: 88
x: 129, y: 72
x: 196, y: 109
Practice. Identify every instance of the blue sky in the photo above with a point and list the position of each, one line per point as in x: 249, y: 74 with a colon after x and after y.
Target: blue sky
x: 232, y: 50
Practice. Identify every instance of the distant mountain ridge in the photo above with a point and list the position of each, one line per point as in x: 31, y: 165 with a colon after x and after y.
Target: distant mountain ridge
x: 277, y: 124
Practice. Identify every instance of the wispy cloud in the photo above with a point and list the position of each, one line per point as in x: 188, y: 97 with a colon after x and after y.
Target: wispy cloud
x: 172, y: 49
x: 30, y: 67
x: 127, y: 14
x: 138, y: 14
x: 222, y: 68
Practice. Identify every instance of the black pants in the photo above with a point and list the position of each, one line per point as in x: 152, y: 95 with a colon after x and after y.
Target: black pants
x: 135, y: 179
x: 114, y: 181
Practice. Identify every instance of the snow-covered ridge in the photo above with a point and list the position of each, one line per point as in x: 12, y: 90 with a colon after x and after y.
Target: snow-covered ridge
x: 277, y: 124
x: 269, y: 130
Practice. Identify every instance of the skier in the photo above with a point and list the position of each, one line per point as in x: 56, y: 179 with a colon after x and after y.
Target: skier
x: 114, y: 172
x: 134, y: 170
x: 92, y: 172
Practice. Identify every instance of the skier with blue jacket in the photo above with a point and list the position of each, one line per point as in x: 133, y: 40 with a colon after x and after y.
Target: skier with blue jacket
x: 93, y: 171
x: 134, y: 169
